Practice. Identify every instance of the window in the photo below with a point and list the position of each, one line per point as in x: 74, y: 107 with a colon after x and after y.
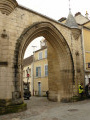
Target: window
x: 45, y: 53
x: 38, y: 71
x: 46, y: 70
x: 40, y: 55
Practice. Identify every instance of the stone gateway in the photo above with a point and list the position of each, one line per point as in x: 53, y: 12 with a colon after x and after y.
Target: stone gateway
x: 18, y: 27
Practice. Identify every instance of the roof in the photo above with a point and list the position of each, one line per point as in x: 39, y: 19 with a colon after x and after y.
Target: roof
x: 87, y: 22
x: 78, y: 13
x: 71, y: 22
x: 80, y: 19
x: 87, y: 25
x: 28, y: 61
x: 62, y: 19
x: 44, y: 47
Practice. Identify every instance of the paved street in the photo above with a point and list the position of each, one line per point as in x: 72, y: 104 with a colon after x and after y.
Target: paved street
x: 39, y: 108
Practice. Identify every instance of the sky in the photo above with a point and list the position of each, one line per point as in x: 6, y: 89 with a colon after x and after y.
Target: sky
x: 54, y: 9
x: 33, y: 46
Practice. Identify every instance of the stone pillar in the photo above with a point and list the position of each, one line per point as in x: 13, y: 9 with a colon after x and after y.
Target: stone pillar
x: 60, y: 76
x: 10, y: 95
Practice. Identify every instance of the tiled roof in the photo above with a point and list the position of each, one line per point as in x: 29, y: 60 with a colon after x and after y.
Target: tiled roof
x: 71, y: 22
x: 62, y: 19
x: 44, y: 47
x: 28, y: 61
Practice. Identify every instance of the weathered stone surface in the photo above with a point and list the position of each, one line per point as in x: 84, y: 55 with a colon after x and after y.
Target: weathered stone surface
x: 65, y: 68
x: 7, y: 6
x: 13, y: 108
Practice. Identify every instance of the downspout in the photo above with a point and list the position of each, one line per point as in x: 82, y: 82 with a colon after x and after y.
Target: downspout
x: 83, y: 52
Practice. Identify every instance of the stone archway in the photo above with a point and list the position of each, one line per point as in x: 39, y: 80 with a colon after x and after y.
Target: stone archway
x: 60, y: 62
x: 64, y: 42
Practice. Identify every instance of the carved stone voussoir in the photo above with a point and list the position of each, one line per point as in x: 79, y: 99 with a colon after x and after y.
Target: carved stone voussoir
x: 7, y: 6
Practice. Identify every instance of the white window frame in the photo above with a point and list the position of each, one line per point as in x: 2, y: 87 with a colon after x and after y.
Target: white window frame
x: 40, y: 71
x: 39, y: 55
x: 46, y: 53
x: 45, y: 70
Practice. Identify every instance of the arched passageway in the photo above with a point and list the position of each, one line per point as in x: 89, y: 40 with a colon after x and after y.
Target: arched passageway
x: 60, y: 62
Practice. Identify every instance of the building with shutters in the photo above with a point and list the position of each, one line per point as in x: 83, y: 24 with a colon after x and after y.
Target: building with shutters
x: 38, y: 71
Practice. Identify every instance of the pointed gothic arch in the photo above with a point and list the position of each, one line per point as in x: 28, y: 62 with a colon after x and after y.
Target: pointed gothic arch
x: 60, y: 67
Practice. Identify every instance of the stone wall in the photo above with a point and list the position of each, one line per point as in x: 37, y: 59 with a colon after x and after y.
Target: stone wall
x: 17, y: 30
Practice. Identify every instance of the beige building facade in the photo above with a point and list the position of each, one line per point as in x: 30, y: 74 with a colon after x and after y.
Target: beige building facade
x: 18, y: 27
x: 41, y: 72
x: 86, y: 47
x: 37, y: 68
x: 84, y: 24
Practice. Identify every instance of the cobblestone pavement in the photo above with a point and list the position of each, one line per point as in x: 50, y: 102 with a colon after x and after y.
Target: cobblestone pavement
x: 39, y: 108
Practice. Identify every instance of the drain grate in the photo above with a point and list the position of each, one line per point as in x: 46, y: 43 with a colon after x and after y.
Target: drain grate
x: 72, y: 110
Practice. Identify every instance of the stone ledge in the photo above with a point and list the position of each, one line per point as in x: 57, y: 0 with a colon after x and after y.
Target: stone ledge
x: 7, y: 6
x: 13, y: 108
x: 4, y: 103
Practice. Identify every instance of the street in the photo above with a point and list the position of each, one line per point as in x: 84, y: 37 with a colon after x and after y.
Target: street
x: 39, y: 108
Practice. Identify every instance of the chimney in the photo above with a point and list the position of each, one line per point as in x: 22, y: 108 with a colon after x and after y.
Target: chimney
x: 86, y: 15
x: 78, y: 13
